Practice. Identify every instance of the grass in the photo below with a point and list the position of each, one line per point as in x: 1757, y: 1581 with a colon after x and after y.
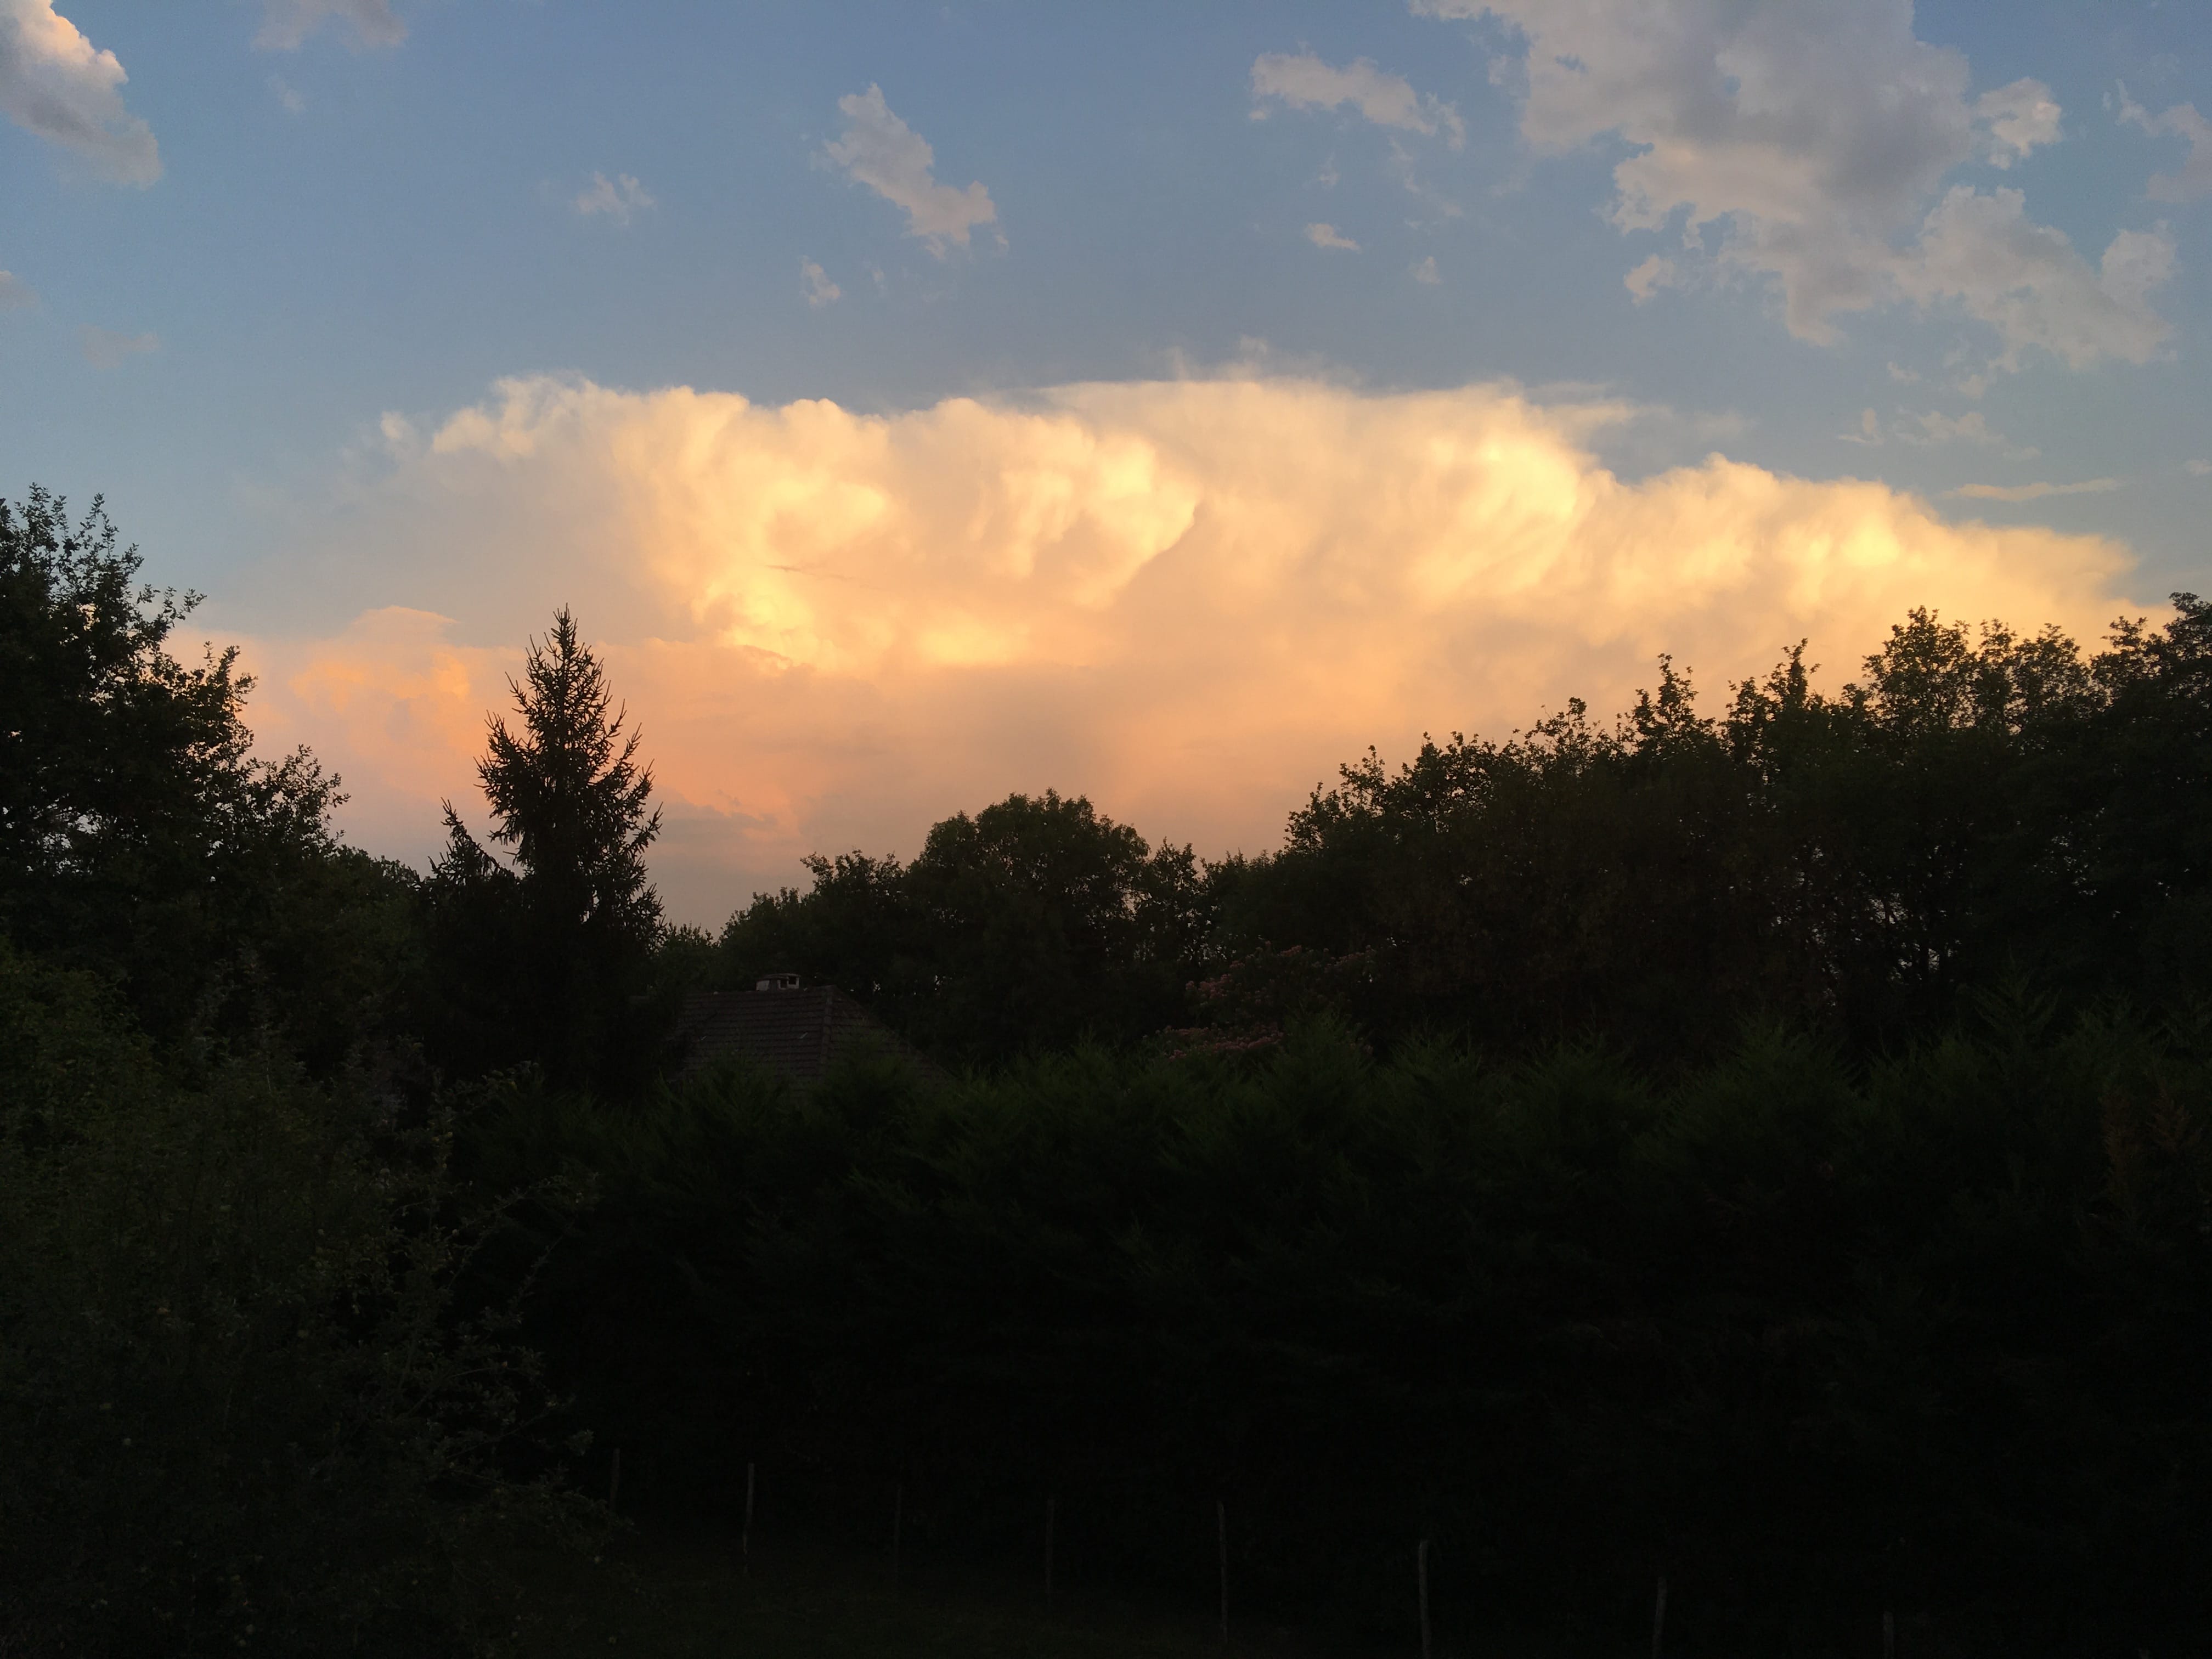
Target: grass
x: 666, y: 1594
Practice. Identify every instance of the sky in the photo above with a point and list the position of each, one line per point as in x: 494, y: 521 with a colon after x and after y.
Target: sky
x: 1162, y: 403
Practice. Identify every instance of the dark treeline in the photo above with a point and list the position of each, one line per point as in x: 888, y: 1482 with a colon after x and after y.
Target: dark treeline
x: 1773, y: 1149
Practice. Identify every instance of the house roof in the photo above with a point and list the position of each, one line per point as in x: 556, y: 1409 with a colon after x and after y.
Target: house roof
x: 798, y: 1033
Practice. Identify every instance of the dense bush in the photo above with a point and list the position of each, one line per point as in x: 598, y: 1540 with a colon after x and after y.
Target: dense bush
x: 1813, y: 1339
x: 239, y: 1408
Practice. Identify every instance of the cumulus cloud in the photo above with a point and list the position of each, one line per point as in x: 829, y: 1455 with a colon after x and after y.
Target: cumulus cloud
x: 286, y: 24
x: 1190, y: 599
x: 2034, y: 492
x: 104, y: 349
x: 1328, y: 236
x: 890, y: 158
x: 615, y: 199
x: 1803, y: 142
x: 1305, y: 82
x: 1424, y: 271
x: 56, y: 83
x: 14, y: 292
x: 2194, y: 178
x: 820, y: 290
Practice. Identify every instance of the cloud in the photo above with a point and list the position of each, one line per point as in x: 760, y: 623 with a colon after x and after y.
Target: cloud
x: 2182, y: 121
x: 16, y: 293
x: 1424, y: 271
x: 1190, y: 599
x: 890, y: 158
x: 820, y: 290
x: 54, y: 82
x: 1305, y: 82
x: 104, y: 349
x: 286, y: 24
x: 2200, y: 469
x: 1654, y: 273
x: 2035, y: 492
x: 2015, y: 120
x: 1934, y: 427
x: 1805, y: 143
x: 1327, y: 236
x: 615, y: 198
x: 294, y: 102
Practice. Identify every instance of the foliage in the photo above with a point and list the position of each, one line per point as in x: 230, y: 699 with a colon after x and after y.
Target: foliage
x: 1035, y: 922
x: 241, y: 1408
x: 542, y: 958
x: 1812, y: 1340
x: 140, y: 838
x: 1981, y: 804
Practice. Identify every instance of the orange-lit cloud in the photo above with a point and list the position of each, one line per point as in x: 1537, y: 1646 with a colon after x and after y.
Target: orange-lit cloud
x: 1188, y: 599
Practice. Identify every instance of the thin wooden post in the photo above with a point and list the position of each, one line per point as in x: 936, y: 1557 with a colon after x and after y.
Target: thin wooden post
x: 898, y: 1525
x: 745, y: 1538
x: 1221, y: 1541
x: 1421, y: 1555
x: 1659, y: 1619
x: 614, y: 1479
x: 1051, y: 1524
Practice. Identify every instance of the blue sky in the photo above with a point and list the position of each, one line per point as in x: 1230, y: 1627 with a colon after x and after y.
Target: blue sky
x: 1954, y: 247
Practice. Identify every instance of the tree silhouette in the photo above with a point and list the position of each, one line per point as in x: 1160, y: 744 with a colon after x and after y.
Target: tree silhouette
x: 548, y: 950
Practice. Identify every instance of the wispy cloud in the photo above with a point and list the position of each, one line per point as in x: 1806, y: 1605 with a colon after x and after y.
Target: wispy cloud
x: 615, y: 199
x: 56, y: 83
x: 294, y: 101
x: 105, y: 349
x: 14, y: 293
x: 1305, y: 82
x: 1322, y: 236
x: 2194, y: 178
x: 879, y: 150
x: 2035, y: 492
x: 286, y: 24
x: 1425, y: 270
x: 820, y: 290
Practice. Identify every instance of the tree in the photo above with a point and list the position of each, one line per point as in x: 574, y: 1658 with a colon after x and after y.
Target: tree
x: 549, y: 949
x: 1037, y: 922
x: 139, y: 835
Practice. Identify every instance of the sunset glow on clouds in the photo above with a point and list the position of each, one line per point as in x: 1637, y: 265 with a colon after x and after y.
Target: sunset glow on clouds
x: 1190, y: 599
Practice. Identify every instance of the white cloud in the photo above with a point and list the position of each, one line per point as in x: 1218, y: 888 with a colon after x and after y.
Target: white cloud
x: 1654, y: 273
x: 615, y: 198
x: 14, y: 292
x: 2200, y: 469
x: 294, y: 103
x: 1189, y: 599
x: 2015, y: 120
x: 1805, y: 142
x: 1424, y: 271
x: 1328, y: 236
x: 820, y: 290
x: 104, y: 349
x: 56, y: 83
x: 285, y: 24
x: 1903, y: 375
x: 890, y: 158
x: 2182, y: 121
x: 1305, y: 82
x: 2034, y: 492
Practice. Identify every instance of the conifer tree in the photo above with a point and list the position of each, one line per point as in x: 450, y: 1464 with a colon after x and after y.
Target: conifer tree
x: 554, y: 944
